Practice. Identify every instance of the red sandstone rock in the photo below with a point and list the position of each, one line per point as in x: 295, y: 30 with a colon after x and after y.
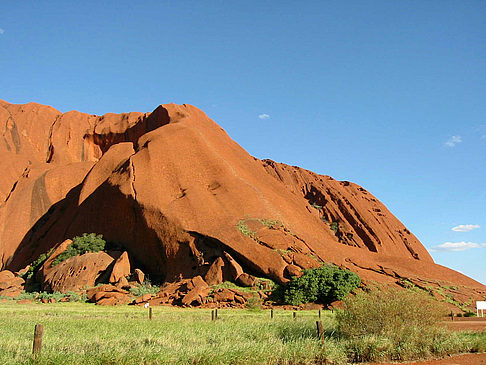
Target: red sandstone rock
x: 246, y: 280
x: 292, y: 270
x: 233, y: 269
x: 139, y: 276
x: 215, y: 274
x: 10, y: 285
x: 143, y: 299
x: 122, y: 283
x: 76, y: 272
x: 106, y: 288
x: 173, y: 189
x: 121, y: 269
x: 224, y: 295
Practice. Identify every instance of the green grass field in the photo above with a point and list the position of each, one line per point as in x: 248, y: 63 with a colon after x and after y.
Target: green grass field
x: 80, y: 333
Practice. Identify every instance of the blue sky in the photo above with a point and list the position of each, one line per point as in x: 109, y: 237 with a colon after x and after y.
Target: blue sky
x: 388, y: 94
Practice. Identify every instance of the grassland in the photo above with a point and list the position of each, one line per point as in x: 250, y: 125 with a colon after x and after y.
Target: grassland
x: 78, y: 333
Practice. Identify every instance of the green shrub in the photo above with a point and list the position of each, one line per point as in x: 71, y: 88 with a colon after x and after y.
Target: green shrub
x: 394, y: 313
x: 145, y: 288
x: 34, y: 266
x: 394, y: 324
x: 469, y: 314
x: 86, y: 243
x: 254, y: 303
x: 322, y: 285
x: 335, y: 226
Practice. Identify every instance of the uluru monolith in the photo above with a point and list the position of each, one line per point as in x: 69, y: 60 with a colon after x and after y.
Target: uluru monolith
x: 175, y: 192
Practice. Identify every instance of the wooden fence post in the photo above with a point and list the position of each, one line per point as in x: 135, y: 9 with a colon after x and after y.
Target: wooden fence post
x: 295, y: 315
x: 212, y: 315
x: 271, y: 313
x: 38, y: 332
x: 216, y: 313
x: 319, y: 314
x: 150, y: 313
x: 320, y: 331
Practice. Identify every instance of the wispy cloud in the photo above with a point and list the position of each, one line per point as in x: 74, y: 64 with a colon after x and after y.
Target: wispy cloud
x: 264, y: 116
x: 465, y: 227
x: 456, y: 246
x: 2, y: 31
x: 451, y: 142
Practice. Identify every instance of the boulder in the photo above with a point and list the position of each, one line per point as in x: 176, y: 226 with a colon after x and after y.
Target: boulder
x: 224, y: 295
x: 123, y: 283
x: 292, y: 270
x: 214, y: 276
x: 10, y: 285
x: 143, y: 299
x: 233, y: 268
x: 196, y: 296
x: 77, y: 272
x: 305, y: 261
x: 121, y: 269
x: 138, y: 276
x: 106, y: 288
x: 246, y: 280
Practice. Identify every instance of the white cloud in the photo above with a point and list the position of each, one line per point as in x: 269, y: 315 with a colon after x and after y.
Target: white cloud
x: 451, y: 142
x: 465, y: 227
x: 2, y: 31
x: 456, y: 246
x: 264, y: 116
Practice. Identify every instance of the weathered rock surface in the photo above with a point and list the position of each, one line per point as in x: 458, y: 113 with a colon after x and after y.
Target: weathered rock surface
x: 76, y: 273
x: 179, y: 196
x: 10, y: 285
x: 121, y: 269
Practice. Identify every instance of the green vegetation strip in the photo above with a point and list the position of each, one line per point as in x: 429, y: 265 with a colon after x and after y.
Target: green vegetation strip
x: 84, y: 333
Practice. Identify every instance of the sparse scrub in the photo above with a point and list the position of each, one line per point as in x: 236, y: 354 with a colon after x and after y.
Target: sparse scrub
x: 81, y: 245
x: 395, y: 324
x: 145, y: 288
x: 34, y: 266
x: 244, y: 229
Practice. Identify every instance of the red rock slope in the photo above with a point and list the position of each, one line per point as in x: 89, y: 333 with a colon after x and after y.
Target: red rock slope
x: 176, y: 192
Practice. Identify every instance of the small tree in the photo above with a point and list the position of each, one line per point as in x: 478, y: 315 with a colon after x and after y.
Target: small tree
x: 86, y: 243
x: 322, y: 285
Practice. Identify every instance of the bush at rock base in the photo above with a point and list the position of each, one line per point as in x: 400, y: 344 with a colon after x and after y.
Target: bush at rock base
x: 145, y: 288
x: 393, y: 324
x: 86, y: 243
x: 321, y: 285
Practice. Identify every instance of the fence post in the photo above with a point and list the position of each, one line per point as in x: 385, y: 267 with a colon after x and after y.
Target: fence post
x: 38, y: 332
x: 295, y: 315
x: 150, y: 313
x: 320, y: 331
x: 212, y: 315
x: 216, y: 313
x: 319, y: 314
x: 271, y: 313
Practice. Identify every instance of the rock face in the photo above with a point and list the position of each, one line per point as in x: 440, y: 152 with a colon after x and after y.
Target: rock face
x: 10, y: 285
x: 183, y: 199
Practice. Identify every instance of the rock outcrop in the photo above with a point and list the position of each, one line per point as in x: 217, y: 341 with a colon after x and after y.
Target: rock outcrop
x: 10, y: 285
x: 184, y: 200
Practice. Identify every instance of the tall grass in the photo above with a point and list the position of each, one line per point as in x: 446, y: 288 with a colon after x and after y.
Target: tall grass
x: 82, y: 333
x: 396, y: 324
